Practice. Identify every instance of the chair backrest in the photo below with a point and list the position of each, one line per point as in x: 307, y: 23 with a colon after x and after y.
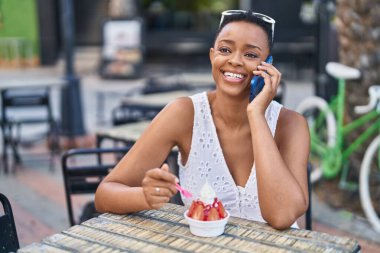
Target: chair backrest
x: 308, y: 216
x: 8, y: 234
x: 26, y: 99
x: 83, y: 170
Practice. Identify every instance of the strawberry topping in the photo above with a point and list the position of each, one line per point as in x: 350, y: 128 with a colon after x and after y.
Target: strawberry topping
x: 207, y: 212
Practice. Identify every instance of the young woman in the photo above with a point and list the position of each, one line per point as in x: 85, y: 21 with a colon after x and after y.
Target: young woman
x: 253, y: 154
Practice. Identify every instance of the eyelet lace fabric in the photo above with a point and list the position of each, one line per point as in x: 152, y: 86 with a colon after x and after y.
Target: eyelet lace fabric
x: 206, y: 162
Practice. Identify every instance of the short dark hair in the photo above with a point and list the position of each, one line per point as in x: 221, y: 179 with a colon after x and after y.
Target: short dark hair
x: 248, y: 17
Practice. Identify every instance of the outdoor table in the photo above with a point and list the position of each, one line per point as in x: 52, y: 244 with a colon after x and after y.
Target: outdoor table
x: 166, y: 230
x: 134, y: 90
x: 130, y: 132
x: 127, y: 133
x: 31, y: 83
x: 161, y: 99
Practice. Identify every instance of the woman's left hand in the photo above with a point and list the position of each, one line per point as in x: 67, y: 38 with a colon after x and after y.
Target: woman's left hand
x: 272, y: 78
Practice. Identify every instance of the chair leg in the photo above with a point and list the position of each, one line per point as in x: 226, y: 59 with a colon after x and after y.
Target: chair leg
x: 14, y: 141
x: 7, y: 143
x: 53, y: 143
x: 99, y: 140
x: 16, y: 153
x: 5, y: 157
x: 10, y: 143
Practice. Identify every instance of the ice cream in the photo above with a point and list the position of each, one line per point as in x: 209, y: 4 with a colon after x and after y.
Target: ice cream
x: 207, y: 207
x: 208, y: 194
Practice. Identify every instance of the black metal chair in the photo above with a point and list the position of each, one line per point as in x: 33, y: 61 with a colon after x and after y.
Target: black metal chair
x: 83, y: 169
x: 82, y: 176
x: 18, y: 107
x: 8, y: 234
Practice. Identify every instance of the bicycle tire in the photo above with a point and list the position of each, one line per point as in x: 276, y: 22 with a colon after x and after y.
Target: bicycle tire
x: 316, y: 103
x: 366, y: 200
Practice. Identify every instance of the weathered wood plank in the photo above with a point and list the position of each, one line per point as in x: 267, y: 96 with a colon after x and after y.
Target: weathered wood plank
x: 166, y: 230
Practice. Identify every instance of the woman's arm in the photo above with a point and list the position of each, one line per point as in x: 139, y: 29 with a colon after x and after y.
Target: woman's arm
x: 281, y: 162
x: 137, y: 182
x: 281, y: 168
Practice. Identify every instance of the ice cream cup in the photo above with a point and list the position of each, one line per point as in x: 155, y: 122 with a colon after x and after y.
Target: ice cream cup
x: 207, y: 228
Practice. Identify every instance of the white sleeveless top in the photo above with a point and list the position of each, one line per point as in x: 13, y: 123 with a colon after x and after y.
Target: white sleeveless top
x: 206, y: 162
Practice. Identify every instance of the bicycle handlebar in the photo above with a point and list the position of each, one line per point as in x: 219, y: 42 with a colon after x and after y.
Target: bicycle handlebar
x: 374, y: 97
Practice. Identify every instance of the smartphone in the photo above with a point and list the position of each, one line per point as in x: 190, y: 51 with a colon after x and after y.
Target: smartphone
x: 257, y: 82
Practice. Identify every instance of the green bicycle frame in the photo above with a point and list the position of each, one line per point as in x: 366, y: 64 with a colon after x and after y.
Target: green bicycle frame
x: 334, y: 157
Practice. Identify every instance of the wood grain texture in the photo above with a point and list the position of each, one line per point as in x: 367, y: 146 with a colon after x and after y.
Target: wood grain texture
x: 166, y: 230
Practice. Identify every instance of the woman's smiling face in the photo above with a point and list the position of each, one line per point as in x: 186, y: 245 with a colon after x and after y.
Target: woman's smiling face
x: 239, y: 48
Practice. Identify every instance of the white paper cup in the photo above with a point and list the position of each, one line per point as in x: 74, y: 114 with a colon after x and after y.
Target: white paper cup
x: 207, y: 228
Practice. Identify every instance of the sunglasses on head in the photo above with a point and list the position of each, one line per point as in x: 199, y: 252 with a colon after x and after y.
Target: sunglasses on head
x: 263, y: 17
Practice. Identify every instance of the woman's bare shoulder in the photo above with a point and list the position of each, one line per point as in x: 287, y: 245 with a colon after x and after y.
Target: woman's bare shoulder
x: 181, y: 109
x: 177, y: 116
x: 183, y: 104
x: 288, y: 116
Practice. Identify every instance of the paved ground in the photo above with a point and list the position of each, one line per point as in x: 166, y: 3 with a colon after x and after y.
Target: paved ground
x: 37, y: 194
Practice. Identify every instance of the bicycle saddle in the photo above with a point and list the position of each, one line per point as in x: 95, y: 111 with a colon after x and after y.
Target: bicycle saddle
x: 341, y: 71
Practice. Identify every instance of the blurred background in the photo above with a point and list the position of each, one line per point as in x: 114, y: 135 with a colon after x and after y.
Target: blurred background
x: 70, y: 71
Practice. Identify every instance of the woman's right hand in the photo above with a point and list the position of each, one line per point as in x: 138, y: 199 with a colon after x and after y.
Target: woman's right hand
x: 159, y: 186
x: 272, y: 79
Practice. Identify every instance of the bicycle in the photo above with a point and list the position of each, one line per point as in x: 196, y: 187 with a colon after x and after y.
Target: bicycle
x: 329, y: 154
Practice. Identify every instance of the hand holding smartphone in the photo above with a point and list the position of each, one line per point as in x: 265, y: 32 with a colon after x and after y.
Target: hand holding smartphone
x: 257, y: 82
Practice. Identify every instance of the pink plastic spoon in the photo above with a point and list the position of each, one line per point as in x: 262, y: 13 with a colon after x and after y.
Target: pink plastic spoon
x: 184, y: 192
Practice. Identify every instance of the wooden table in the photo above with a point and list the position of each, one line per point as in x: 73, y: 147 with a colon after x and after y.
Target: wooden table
x: 166, y: 230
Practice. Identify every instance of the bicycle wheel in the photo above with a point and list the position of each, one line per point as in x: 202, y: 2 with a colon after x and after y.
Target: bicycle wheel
x: 369, y: 184
x: 322, y: 126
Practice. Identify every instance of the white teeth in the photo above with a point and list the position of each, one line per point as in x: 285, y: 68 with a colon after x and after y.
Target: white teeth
x: 234, y: 75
